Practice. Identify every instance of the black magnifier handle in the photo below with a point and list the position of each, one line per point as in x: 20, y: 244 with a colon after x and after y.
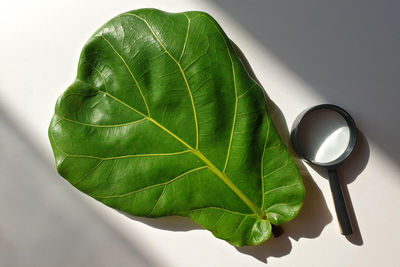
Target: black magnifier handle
x: 340, y: 204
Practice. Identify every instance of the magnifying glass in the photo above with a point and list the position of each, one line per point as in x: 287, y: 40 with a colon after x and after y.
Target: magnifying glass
x: 325, y: 135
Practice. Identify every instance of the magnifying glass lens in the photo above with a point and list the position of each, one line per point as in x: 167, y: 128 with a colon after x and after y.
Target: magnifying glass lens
x: 323, y: 135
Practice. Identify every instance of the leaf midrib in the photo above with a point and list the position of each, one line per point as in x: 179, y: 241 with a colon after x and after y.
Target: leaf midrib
x: 257, y: 211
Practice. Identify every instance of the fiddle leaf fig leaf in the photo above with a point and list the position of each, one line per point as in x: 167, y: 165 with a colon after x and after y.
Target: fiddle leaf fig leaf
x: 163, y: 119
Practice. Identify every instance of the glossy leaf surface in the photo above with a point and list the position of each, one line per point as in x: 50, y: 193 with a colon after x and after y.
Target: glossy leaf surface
x: 163, y: 119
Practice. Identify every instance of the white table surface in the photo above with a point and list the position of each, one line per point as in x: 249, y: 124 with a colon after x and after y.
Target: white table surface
x: 39, y: 50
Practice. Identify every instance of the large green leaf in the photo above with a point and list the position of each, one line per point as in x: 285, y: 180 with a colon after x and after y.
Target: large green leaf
x: 163, y: 119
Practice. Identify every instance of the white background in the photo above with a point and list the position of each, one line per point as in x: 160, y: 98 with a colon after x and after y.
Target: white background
x: 303, y: 54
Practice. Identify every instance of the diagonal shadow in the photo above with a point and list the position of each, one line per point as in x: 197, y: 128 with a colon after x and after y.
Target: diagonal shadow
x: 345, y: 51
x: 44, y: 223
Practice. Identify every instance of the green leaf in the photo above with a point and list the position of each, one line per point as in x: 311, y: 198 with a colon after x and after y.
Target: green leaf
x: 163, y: 119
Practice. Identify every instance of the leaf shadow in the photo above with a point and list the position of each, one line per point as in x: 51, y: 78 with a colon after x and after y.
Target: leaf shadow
x: 170, y: 223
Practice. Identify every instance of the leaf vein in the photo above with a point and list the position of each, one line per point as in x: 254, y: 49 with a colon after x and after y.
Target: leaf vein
x: 282, y: 187
x: 237, y: 228
x: 262, y: 162
x: 283, y: 204
x: 155, y: 185
x: 158, y: 200
x: 101, y: 75
x: 225, y: 210
x: 181, y: 70
x: 236, y: 108
x: 89, y: 172
x: 219, y: 218
x: 280, y: 168
x: 248, y: 90
x: 186, y: 38
x: 130, y: 72
x: 119, y: 157
x: 102, y: 126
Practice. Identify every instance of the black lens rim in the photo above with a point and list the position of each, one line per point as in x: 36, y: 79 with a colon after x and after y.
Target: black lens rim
x: 350, y: 122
